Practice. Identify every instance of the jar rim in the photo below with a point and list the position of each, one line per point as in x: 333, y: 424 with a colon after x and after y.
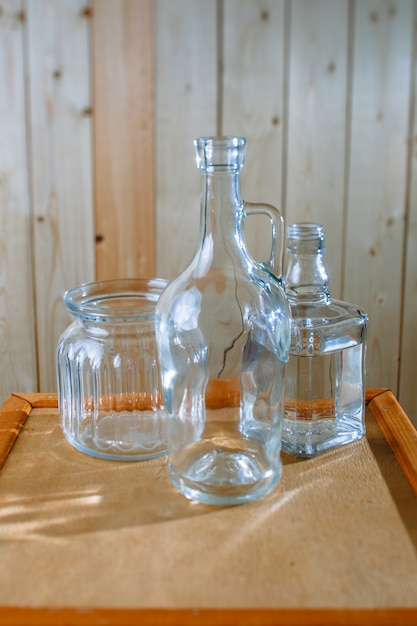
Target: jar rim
x: 115, y: 300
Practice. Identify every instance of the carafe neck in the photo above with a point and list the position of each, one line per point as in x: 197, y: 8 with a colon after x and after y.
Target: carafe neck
x: 221, y: 199
x: 222, y: 208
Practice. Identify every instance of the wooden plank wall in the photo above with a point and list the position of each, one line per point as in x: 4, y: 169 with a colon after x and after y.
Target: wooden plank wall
x: 123, y: 141
x: 60, y: 166
x: 100, y: 101
x: 18, y: 365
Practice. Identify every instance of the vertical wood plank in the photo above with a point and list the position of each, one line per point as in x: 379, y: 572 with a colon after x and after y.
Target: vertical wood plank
x: 60, y: 128
x: 317, y: 115
x: 377, y: 182
x: 185, y: 108
x: 253, y: 102
x: 407, y: 392
x: 123, y: 138
x: 17, y: 330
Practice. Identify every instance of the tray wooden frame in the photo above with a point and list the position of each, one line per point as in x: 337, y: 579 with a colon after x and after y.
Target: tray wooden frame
x: 401, y: 436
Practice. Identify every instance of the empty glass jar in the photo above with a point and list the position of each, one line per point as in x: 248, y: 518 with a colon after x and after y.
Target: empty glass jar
x: 108, y: 377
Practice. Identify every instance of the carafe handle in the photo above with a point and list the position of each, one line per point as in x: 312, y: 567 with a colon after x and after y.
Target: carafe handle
x: 274, y: 263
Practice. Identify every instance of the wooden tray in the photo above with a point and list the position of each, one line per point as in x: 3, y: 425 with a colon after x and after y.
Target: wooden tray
x: 205, y: 525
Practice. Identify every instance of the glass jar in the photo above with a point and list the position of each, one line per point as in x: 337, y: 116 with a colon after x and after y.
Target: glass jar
x: 325, y: 386
x: 223, y: 332
x: 108, y: 376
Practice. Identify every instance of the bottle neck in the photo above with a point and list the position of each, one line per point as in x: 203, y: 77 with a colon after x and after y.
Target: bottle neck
x: 221, y: 214
x: 306, y: 280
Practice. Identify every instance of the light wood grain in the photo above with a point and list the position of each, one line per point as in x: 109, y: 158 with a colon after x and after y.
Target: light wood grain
x: 61, y: 165
x: 253, y: 90
x: 39, y: 400
x: 17, y: 324
x: 123, y: 138
x: 13, y: 416
x: 317, y: 122
x: 399, y: 432
x: 377, y: 177
x: 407, y: 392
x: 185, y: 108
x: 206, y: 617
x: 324, y: 91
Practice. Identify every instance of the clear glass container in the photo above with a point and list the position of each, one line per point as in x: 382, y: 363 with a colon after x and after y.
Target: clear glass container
x: 223, y: 332
x: 109, y: 390
x: 325, y: 386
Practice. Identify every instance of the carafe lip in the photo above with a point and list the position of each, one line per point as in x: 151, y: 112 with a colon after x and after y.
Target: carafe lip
x: 115, y: 300
x: 220, y: 152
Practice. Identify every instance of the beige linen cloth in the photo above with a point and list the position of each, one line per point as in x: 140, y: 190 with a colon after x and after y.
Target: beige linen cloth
x: 338, y: 531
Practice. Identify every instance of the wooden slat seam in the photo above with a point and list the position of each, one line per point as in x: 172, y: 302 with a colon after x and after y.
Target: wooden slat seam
x: 372, y: 393
x: 39, y: 400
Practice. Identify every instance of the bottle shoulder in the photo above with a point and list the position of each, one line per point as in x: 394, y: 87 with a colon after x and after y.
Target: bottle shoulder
x: 317, y: 330
x: 326, y: 314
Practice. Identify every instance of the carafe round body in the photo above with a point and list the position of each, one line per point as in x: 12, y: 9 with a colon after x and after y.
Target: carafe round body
x: 223, y: 331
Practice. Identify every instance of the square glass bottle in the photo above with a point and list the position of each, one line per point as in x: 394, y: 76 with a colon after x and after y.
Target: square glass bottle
x: 325, y: 383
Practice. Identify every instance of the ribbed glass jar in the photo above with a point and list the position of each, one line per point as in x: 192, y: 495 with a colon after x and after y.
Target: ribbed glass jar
x: 108, y: 376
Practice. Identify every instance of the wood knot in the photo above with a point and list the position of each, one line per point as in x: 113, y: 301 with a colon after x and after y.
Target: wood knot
x: 86, y: 12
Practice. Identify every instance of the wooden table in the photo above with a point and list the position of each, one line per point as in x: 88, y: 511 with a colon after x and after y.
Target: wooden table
x: 89, y: 541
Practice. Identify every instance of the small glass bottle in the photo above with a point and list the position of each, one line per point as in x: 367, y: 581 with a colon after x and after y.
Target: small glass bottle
x: 325, y: 386
x: 223, y: 334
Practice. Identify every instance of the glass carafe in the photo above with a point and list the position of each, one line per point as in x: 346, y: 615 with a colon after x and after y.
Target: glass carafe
x: 325, y: 386
x: 223, y: 332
